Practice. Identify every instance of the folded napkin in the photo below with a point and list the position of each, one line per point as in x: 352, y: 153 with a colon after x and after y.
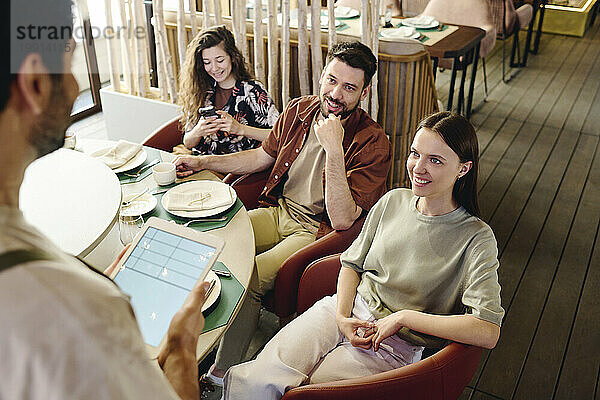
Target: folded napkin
x: 400, y: 32
x: 342, y: 11
x: 117, y: 155
x: 198, y: 201
x: 423, y: 20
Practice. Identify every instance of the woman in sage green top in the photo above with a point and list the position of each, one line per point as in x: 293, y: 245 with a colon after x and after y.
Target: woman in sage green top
x: 422, y: 271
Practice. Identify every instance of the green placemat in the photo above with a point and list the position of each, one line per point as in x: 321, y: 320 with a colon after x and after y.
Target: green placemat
x: 342, y: 27
x: 160, y: 212
x: 153, y: 154
x: 231, y: 293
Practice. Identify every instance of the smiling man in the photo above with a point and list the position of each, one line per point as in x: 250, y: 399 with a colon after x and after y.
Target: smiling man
x: 329, y: 163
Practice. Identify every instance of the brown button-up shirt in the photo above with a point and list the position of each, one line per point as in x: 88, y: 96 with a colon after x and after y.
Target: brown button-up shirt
x: 367, y: 154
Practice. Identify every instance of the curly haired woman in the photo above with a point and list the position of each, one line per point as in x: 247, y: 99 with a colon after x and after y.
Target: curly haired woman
x: 215, y: 74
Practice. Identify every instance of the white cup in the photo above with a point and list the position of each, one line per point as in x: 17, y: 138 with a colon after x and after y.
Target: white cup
x: 164, y: 173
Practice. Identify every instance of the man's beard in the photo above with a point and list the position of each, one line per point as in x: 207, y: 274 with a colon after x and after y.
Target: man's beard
x: 48, y: 132
x: 345, y: 113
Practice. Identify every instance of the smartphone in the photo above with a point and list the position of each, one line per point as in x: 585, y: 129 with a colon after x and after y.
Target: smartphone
x: 207, y: 112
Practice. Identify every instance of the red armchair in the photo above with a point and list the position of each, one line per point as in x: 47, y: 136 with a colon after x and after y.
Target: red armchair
x: 443, y: 375
x: 166, y: 136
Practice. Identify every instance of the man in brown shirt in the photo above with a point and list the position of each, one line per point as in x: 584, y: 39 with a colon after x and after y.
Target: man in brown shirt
x: 326, y: 139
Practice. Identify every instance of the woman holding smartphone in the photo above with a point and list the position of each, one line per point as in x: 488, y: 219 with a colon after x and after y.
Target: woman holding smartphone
x: 224, y: 109
x: 422, y: 271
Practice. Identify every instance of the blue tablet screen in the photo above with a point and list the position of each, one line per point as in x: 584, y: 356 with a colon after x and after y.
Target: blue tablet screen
x: 158, y: 275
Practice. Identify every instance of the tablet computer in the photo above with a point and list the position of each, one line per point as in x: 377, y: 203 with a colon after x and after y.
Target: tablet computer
x: 159, y: 270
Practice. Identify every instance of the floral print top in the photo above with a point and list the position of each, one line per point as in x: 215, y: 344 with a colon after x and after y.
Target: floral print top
x: 249, y: 104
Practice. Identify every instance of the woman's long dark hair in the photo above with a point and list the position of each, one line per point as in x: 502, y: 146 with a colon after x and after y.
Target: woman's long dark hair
x: 194, y: 82
x: 459, y: 135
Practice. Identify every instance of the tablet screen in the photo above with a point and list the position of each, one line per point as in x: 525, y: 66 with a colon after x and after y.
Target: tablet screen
x: 158, y: 275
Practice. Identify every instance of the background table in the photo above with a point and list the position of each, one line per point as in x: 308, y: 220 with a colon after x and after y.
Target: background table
x: 462, y: 46
x: 71, y: 198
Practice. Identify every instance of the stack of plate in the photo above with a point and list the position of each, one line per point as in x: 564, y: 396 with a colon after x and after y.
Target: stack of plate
x: 342, y: 12
x: 421, y: 22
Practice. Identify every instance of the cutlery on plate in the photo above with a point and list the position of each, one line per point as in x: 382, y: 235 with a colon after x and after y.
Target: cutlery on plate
x: 210, y: 288
x: 145, y: 167
x: 205, y: 220
x: 128, y: 202
x: 224, y: 274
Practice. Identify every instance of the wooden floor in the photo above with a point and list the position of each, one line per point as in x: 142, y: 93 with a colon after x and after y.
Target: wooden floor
x: 540, y: 192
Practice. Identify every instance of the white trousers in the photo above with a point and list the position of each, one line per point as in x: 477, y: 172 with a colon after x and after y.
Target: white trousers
x: 311, y: 349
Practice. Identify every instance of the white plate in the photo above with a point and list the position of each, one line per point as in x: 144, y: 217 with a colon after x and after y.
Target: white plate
x: 397, y: 34
x: 140, y: 206
x: 294, y: 21
x: 215, y: 292
x: 135, y: 162
x: 409, y: 22
x: 198, y: 186
x: 342, y: 12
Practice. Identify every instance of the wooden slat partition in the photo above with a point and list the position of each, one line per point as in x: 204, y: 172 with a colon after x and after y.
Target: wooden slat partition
x: 315, y: 43
x: 303, y: 51
x: 206, y: 14
x: 274, y: 76
x: 259, y: 50
x: 406, y: 95
x: 285, y: 52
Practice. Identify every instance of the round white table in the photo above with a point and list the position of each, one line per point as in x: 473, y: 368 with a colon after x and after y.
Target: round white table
x: 71, y: 198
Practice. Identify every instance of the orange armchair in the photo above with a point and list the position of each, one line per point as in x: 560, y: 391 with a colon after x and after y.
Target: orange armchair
x: 166, y: 136
x: 443, y: 375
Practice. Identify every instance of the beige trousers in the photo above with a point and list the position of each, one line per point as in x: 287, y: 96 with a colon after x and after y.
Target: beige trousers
x: 311, y: 349
x: 276, y: 236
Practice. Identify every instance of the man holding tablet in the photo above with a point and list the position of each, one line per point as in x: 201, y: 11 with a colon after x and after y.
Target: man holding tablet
x: 67, y: 331
x: 329, y: 162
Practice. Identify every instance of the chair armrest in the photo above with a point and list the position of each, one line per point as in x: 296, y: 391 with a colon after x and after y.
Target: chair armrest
x: 166, y: 136
x: 318, y: 280
x: 444, y: 375
x: 248, y: 187
x: 524, y: 15
x: 288, y: 277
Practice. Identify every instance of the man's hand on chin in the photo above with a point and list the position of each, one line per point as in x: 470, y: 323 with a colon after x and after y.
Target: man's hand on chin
x: 330, y: 133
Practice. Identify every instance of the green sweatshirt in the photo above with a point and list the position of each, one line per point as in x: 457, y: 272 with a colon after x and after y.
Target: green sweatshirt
x: 441, y: 265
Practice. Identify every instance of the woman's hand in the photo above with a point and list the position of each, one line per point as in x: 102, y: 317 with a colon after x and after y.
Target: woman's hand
x: 358, y: 332
x: 205, y: 127
x: 386, y: 327
x: 228, y: 124
x: 187, y: 165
